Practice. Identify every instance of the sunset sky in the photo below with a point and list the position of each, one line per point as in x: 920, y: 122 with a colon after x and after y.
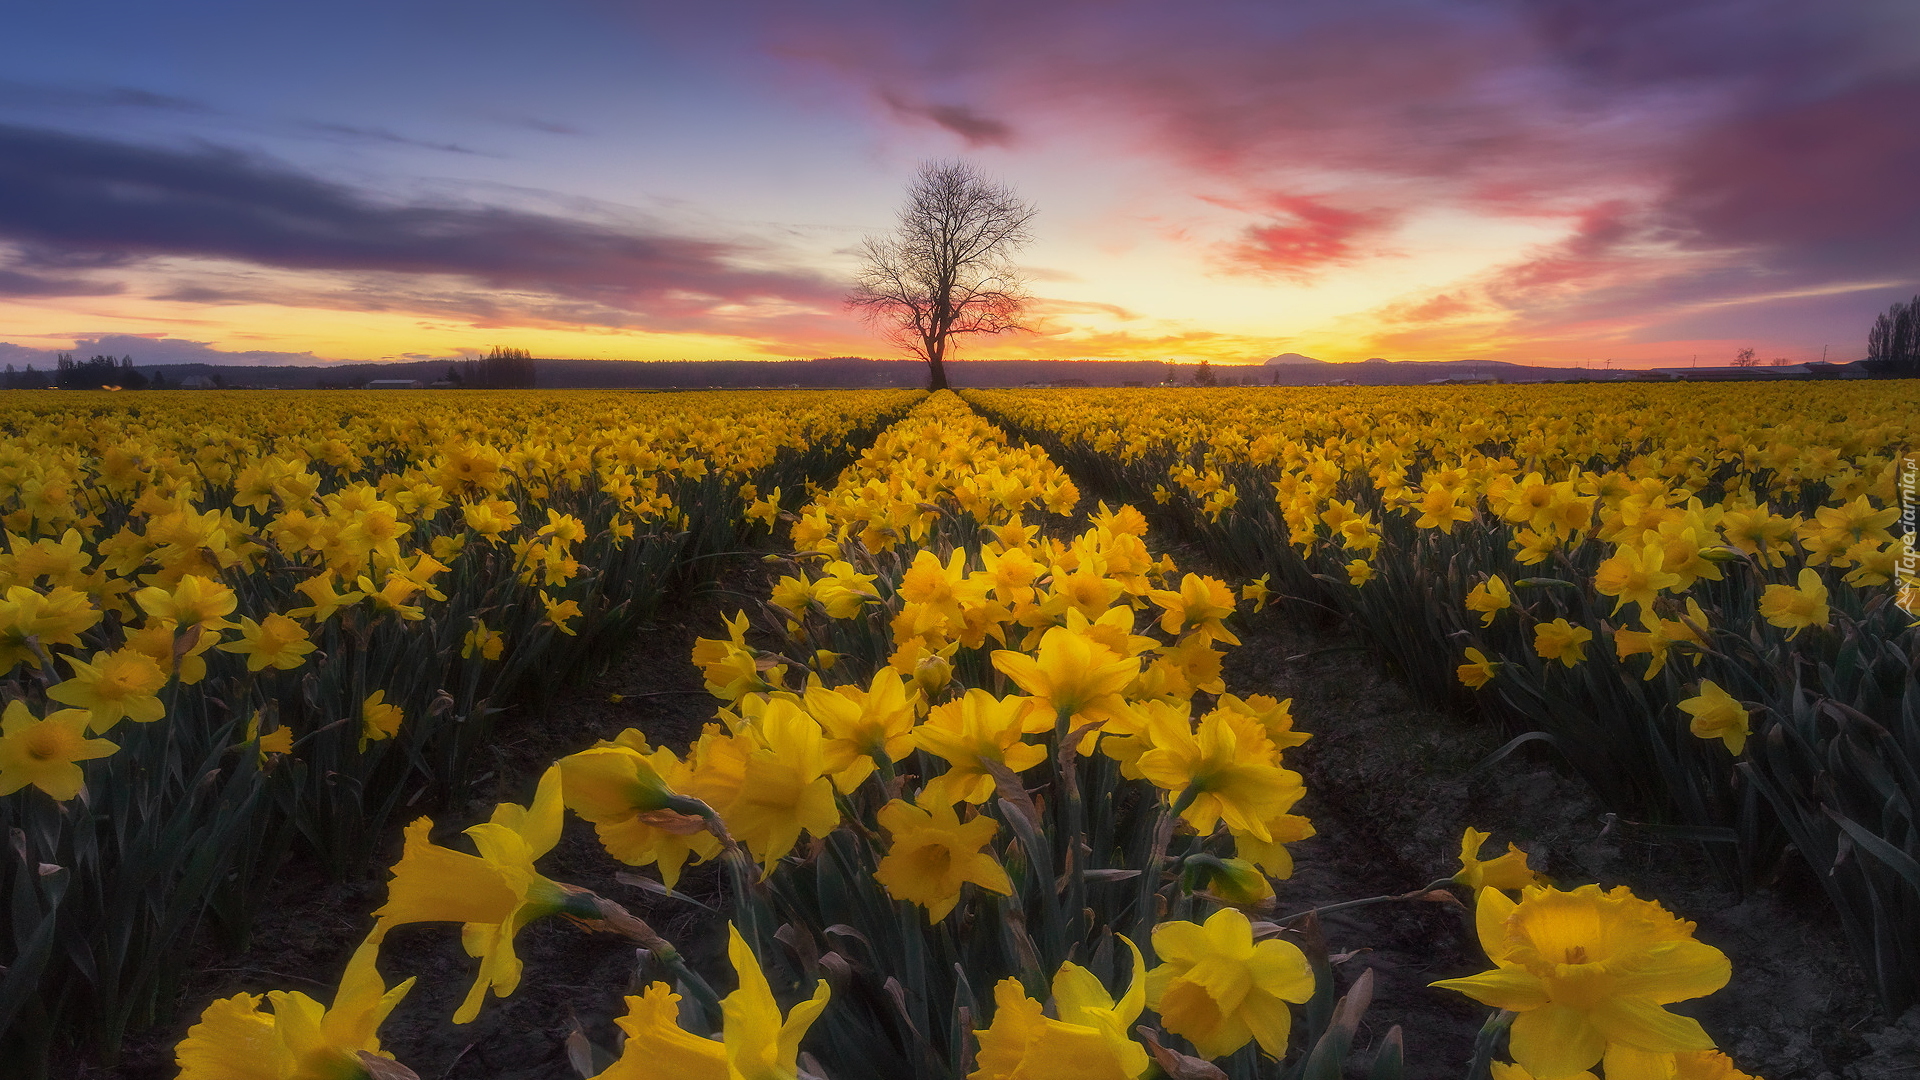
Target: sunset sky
x: 1644, y: 181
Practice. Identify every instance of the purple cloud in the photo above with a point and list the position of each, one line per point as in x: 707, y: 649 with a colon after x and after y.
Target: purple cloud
x: 94, y: 198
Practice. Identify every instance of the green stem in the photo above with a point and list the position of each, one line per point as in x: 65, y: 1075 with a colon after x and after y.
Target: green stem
x: 1481, y: 1067
x: 1072, y: 861
x: 1325, y: 909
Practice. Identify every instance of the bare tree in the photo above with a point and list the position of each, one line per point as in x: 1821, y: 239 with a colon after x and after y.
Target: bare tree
x: 1746, y: 358
x: 947, y: 269
x: 1893, y: 345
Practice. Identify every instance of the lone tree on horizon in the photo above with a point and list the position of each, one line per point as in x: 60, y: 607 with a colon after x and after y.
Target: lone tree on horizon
x: 947, y: 269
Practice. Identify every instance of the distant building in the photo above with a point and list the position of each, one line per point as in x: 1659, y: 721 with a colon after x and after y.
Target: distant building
x: 395, y: 384
x: 196, y: 382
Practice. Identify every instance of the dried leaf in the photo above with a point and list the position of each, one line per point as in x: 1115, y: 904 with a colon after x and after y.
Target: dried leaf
x: 379, y: 1068
x: 671, y: 823
x: 1175, y: 1064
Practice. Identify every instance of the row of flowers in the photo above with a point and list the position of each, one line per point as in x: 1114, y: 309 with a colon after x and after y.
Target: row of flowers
x: 236, y: 630
x: 956, y: 751
x: 1693, y: 593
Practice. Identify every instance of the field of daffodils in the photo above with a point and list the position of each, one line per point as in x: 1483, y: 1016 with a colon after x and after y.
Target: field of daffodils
x: 974, y: 796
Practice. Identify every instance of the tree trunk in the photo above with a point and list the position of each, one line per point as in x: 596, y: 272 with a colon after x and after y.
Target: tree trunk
x: 936, y: 369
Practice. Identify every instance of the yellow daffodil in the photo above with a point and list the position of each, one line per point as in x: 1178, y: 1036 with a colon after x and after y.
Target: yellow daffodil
x: 1634, y: 575
x: 46, y: 752
x: 628, y: 793
x: 277, y: 741
x: 1087, y: 1041
x: 559, y: 611
x: 392, y: 595
x: 276, y: 642
x: 1588, y: 972
x: 487, y: 644
x: 1489, y: 598
x: 863, y: 727
x: 29, y: 617
x: 1796, y: 607
x: 1224, y: 769
x: 731, y: 667
x: 1561, y: 640
x: 1074, y: 677
x: 1271, y: 855
x: 758, y: 1044
x: 1220, y: 990
x: 1257, y: 592
x: 1275, y: 717
x: 379, y: 718
x: 1195, y: 664
x: 490, y: 517
x: 1439, y: 509
x: 970, y: 731
x: 1359, y: 572
x: 1507, y: 871
x: 1199, y: 606
x: 118, y: 685
x: 1638, y: 1065
x: 1478, y: 671
x: 300, y: 1039
x: 1716, y: 715
x: 1759, y: 533
x: 785, y: 790
x: 193, y: 601
x: 326, y: 600
x: 931, y: 853
x: 493, y: 894
x: 658, y: 1046
x: 1661, y: 635
x: 1233, y: 882
x: 563, y: 527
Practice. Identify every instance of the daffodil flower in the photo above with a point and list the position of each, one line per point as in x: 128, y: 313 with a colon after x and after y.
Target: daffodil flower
x: 629, y: 795
x: 276, y: 641
x: 300, y: 1039
x: 1588, y: 972
x: 46, y: 752
x: 492, y: 894
x: 123, y: 684
x: 756, y: 1043
x: 1716, y: 715
x: 1796, y: 607
x: 1507, y: 871
x: 864, y: 727
x: 1076, y: 677
x: 1220, y: 990
x: 931, y: 853
x: 1086, y: 1039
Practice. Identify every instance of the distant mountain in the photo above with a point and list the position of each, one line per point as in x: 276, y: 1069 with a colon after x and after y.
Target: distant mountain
x: 1287, y: 369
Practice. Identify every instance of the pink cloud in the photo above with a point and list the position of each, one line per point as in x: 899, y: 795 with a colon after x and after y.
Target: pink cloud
x: 1303, y: 235
x: 1703, y: 155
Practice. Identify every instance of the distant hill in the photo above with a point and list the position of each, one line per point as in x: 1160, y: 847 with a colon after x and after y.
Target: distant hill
x: 1287, y: 369
x: 828, y: 372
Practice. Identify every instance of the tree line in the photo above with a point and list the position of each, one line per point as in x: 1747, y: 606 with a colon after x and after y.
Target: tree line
x: 1893, y: 345
x: 94, y: 373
